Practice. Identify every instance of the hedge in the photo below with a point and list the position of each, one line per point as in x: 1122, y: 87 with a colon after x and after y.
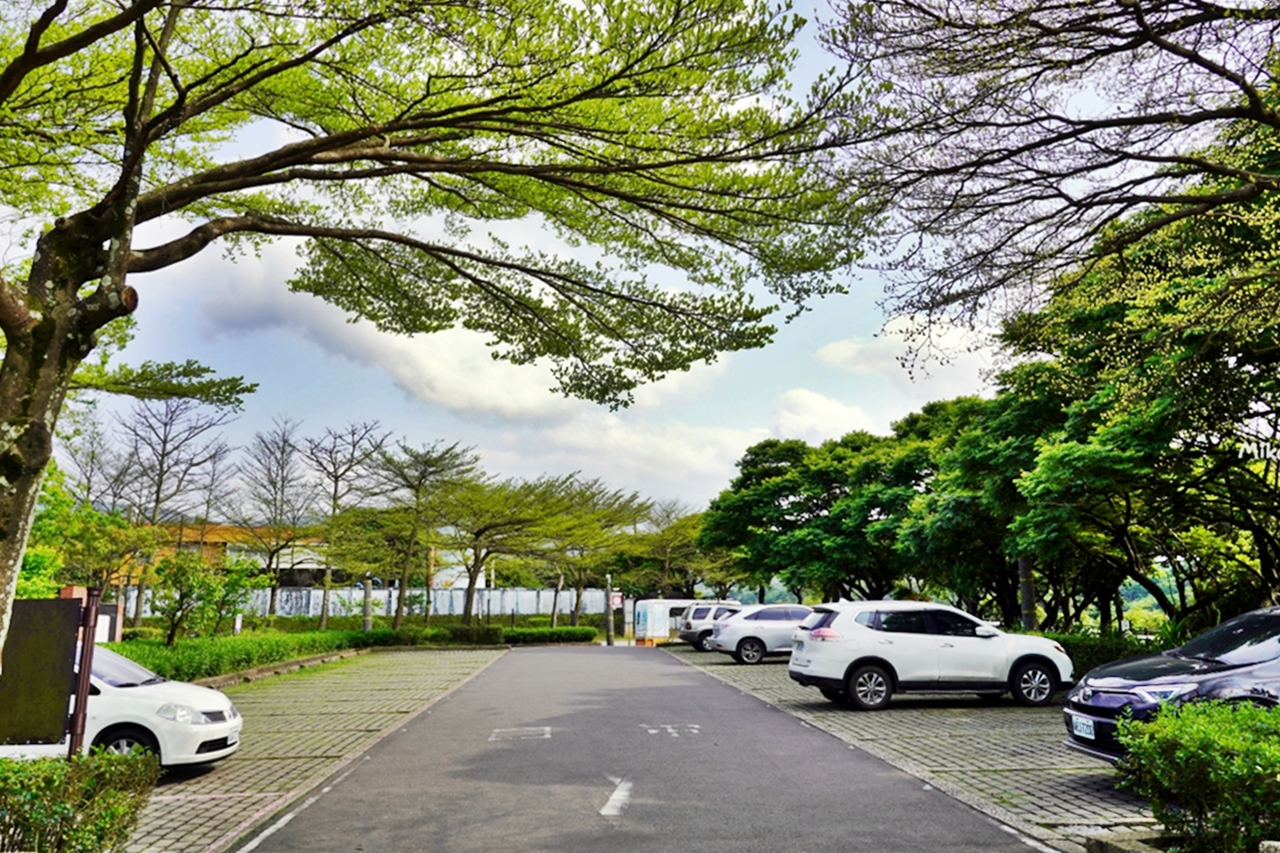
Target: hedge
x: 550, y: 635
x: 1212, y: 772
x: 1088, y: 651
x: 87, y: 804
x: 478, y: 635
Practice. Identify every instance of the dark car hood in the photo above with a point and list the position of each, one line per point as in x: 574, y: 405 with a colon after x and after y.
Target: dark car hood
x: 1152, y: 667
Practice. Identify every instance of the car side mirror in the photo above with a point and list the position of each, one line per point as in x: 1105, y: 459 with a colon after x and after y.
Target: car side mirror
x: 986, y: 631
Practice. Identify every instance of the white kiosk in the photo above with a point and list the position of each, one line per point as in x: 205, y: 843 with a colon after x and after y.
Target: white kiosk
x: 657, y: 620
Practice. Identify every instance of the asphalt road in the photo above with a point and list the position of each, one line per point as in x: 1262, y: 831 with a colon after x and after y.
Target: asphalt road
x: 591, y: 750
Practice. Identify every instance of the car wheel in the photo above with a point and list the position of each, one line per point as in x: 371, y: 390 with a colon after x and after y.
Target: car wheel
x: 750, y: 650
x: 125, y: 739
x: 869, y: 688
x: 1033, y: 684
x: 833, y: 695
x: 705, y: 643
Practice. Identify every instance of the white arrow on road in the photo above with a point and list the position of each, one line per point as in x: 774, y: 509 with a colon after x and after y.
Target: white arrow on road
x: 618, y: 800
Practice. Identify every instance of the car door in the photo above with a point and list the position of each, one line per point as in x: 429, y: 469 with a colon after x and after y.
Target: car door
x: 963, y: 656
x: 903, y: 639
x: 775, y: 626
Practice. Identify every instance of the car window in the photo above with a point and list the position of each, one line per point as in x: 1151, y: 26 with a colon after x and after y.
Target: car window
x: 866, y: 617
x: 903, y: 622
x: 818, y: 619
x: 798, y: 613
x: 119, y: 671
x: 953, y: 624
x: 774, y: 614
x: 700, y: 612
x: 721, y: 611
x: 759, y: 614
x: 1251, y: 638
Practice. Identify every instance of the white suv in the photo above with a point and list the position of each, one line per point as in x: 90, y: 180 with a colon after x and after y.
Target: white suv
x: 759, y: 630
x: 863, y: 652
x: 698, y: 620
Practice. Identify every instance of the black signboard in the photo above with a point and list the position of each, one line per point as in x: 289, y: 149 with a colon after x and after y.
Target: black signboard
x: 38, y: 675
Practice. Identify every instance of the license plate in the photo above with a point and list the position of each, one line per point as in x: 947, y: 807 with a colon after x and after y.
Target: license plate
x: 1082, y: 727
x: 233, y: 738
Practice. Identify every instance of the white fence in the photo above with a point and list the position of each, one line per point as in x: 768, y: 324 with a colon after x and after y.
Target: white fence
x: 306, y: 601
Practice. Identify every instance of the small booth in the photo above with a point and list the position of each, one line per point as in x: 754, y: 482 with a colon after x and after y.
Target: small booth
x: 657, y: 620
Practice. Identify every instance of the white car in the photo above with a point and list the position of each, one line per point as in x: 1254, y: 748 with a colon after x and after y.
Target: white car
x: 759, y: 630
x: 132, y: 707
x: 863, y: 652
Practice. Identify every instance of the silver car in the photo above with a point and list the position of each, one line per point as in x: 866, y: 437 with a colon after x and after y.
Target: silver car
x: 759, y: 630
x: 697, y: 621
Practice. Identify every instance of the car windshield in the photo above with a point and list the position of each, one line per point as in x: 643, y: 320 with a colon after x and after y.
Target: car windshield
x: 818, y: 619
x: 118, y: 671
x: 1251, y: 638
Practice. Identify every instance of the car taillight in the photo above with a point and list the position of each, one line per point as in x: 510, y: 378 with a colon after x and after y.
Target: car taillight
x: 688, y: 626
x: 824, y: 634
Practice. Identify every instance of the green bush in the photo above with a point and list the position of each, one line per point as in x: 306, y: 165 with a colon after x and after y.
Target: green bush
x: 142, y: 633
x: 538, y: 621
x: 201, y: 657
x: 1212, y: 772
x: 87, y: 804
x: 476, y: 635
x: 1088, y: 651
x: 550, y: 635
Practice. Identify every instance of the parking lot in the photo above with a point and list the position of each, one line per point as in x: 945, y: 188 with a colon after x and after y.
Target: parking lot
x: 1004, y: 759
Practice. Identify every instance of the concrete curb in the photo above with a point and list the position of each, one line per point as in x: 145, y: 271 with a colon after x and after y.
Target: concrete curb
x: 244, y: 676
x: 238, y: 833
x: 1039, y: 833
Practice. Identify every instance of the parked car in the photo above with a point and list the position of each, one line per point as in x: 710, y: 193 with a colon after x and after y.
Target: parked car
x: 863, y: 652
x: 758, y: 630
x: 132, y: 707
x: 1238, y: 661
x: 698, y: 619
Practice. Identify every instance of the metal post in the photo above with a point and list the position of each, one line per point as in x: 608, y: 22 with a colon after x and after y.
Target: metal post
x: 608, y: 610
x: 368, y: 601
x: 88, y: 627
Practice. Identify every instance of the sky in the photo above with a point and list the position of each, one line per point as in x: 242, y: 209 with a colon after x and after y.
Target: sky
x: 832, y: 370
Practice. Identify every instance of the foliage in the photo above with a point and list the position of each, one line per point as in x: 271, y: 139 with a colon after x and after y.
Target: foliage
x: 202, y: 657
x: 1212, y: 771
x: 183, y: 583
x: 41, y: 567
x: 480, y: 635
x: 86, y: 804
x: 1088, y: 651
x: 524, y: 636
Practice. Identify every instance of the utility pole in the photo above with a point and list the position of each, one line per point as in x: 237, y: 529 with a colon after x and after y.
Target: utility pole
x: 608, y: 609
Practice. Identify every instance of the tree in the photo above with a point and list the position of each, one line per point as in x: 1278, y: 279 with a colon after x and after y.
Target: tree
x: 413, y: 478
x: 1019, y: 138
x: 481, y: 519
x: 276, y: 498
x: 183, y: 583
x: 343, y: 460
x: 661, y: 134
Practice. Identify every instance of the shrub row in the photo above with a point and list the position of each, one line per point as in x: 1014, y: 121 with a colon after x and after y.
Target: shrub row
x: 581, y: 634
x: 1088, y: 651
x: 1212, y: 772
x: 87, y: 804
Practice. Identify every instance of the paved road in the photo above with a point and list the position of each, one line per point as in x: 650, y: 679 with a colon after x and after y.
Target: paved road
x: 1007, y: 760
x: 582, y: 750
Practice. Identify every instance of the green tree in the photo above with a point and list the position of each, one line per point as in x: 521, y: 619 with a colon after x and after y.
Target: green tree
x: 662, y: 135
x: 184, y: 583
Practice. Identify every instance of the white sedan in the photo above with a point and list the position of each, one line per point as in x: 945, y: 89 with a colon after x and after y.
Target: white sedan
x: 863, y: 652
x: 132, y: 707
x: 759, y: 630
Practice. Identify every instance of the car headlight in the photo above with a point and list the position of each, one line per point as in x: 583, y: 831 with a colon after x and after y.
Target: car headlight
x: 1164, y: 692
x: 181, y: 714
x: 232, y: 713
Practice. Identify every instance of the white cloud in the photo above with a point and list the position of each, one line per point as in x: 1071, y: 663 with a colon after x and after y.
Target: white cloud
x: 810, y: 416
x: 955, y: 367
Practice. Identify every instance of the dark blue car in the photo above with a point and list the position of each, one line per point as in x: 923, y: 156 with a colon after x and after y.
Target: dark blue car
x: 1238, y: 661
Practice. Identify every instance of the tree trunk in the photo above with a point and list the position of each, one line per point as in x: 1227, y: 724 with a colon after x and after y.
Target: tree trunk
x: 578, y: 589
x: 1027, y: 593
x: 555, y: 599
x: 473, y: 578
x: 142, y: 595
x: 324, y: 598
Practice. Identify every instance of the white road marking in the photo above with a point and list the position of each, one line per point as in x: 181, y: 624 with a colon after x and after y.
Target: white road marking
x: 689, y: 729
x: 284, y: 821
x: 530, y: 733
x: 618, y: 800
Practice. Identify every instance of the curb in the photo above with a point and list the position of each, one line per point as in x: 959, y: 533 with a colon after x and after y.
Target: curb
x: 1048, y: 837
x: 244, y: 676
x: 288, y: 798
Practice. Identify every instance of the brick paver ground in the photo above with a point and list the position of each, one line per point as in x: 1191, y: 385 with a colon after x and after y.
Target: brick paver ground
x: 1004, y: 759
x: 298, y: 729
